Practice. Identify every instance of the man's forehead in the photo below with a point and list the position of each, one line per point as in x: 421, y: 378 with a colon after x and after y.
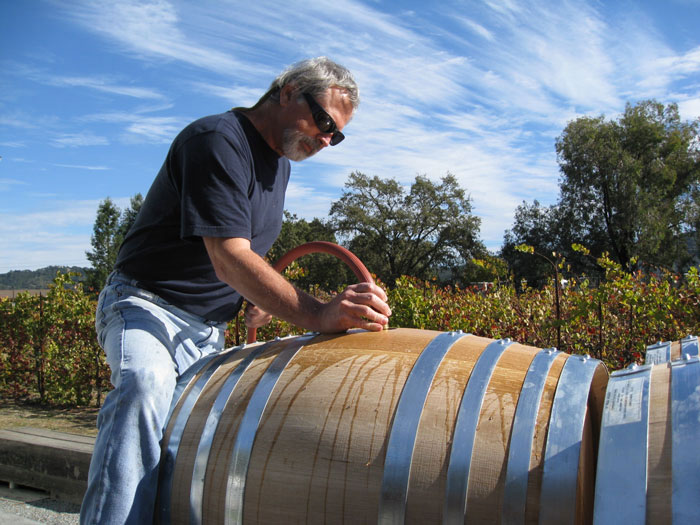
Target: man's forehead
x: 336, y: 98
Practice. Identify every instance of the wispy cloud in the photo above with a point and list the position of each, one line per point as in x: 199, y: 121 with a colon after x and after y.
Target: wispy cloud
x: 689, y: 108
x: 235, y: 95
x: 17, y: 119
x: 8, y: 184
x: 476, y: 28
x: 480, y: 90
x: 105, y: 85
x: 156, y: 130
x: 152, y: 30
x: 307, y: 201
x: 111, y: 84
x: 57, y: 235
x: 138, y: 126
x: 72, y: 140
x: 81, y: 167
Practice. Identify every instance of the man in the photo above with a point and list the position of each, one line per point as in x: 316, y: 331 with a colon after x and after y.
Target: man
x: 194, y: 252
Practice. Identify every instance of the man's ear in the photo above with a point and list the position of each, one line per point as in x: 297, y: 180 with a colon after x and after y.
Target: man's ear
x: 287, y: 94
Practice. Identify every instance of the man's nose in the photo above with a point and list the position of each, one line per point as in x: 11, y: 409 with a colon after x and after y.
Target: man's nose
x: 325, y: 139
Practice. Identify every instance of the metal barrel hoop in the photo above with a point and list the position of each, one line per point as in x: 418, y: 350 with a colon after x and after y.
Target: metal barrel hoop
x: 685, y: 421
x: 207, y: 436
x: 402, y: 437
x: 522, y: 435
x: 248, y: 427
x: 689, y: 346
x: 455, y: 504
x: 622, y: 451
x: 198, y: 382
x: 658, y: 353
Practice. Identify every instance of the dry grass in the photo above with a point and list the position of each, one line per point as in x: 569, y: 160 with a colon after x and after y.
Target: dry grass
x: 15, y: 414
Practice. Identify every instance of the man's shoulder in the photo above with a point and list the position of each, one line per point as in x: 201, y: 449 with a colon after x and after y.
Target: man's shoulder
x: 213, y: 131
x: 227, y: 122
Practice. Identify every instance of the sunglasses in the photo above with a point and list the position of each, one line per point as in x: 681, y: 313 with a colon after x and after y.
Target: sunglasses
x: 323, y: 120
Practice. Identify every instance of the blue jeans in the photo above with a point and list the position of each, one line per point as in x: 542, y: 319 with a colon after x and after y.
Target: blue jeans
x: 149, y: 344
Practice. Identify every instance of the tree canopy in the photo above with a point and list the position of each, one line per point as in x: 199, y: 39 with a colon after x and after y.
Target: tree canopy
x: 110, y: 228
x: 321, y: 269
x: 422, y: 231
x: 629, y: 187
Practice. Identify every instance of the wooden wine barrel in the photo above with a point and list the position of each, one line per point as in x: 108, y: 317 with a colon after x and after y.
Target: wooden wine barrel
x: 648, y: 464
x: 664, y: 351
x: 399, y: 426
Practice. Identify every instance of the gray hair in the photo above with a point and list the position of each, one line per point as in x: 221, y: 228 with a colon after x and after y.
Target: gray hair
x: 314, y: 76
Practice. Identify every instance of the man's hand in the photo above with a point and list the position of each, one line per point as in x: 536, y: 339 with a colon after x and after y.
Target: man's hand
x: 361, y: 305
x: 256, y: 317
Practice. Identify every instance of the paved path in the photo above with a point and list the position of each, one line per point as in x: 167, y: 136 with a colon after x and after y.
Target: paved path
x: 21, y: 506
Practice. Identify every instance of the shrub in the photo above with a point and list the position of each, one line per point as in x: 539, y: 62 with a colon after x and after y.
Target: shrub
x: 49, y: 347
x: 49, y: 351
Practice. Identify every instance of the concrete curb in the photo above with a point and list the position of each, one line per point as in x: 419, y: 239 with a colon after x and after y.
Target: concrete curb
x: 55, y: 462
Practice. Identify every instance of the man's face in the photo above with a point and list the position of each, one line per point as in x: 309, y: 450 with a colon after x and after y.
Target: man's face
x: 303, y: 138
x: 297, y: 146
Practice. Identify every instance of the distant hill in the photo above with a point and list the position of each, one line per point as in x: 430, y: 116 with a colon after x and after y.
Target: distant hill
x: 35, y: 279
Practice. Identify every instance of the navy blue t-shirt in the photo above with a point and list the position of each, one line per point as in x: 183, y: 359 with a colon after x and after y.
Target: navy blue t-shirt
x: 219, y: 179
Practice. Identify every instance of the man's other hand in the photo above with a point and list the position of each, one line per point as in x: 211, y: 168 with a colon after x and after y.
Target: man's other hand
x: 256, y: 317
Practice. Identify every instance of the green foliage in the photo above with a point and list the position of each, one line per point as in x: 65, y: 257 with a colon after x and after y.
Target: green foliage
x: 48, y: 346
x: 626, y: 179
x: 613, y: 322
x: 105, y: 243
x: 629, y: 187
x: 525, y: 248
x: 19, y: 345
x: 319, y: 269
x: 110, y: 229
x: 487, y: 268
x: 37, y: 279
x: 128, y: 216
x: 427, y: 230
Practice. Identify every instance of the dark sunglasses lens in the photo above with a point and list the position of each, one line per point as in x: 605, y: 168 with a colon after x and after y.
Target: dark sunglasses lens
x: 336, y: 138
x: 324, y: 122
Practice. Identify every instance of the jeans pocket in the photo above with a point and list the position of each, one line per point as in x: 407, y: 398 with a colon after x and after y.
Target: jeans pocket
x: 105, y: 306
x: 207, y: 336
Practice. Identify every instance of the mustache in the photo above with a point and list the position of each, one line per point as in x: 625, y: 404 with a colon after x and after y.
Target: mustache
x: 314, y: 144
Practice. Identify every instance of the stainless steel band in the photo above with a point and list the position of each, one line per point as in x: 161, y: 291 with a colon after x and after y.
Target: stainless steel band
x: 685, y: 419
x: 247, y: 430
x: 455, y: 504
x: 170, y: 454
x: 561, y: 459
x: 402, y: 438
x: 522, y: 435
x: 621, y: 484
x: 658, y: 353
x: 689, y: 346
x: 208, y: 432
x: 622, y: 458
x: 661, y: 352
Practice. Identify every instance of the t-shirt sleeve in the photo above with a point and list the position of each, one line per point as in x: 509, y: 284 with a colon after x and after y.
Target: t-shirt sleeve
x: 215, y: 176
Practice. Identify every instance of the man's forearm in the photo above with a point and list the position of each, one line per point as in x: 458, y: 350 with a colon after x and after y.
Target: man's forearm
x: 248, y: 273
x: 360, y: 305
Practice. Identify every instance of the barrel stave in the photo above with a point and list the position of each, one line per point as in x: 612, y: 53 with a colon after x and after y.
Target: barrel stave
x: 326, y: 431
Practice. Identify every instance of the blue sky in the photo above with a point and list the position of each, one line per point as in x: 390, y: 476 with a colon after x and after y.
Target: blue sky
x: 92, y: 93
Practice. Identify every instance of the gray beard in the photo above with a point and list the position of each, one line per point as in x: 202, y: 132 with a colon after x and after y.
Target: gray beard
x: 292, y: 145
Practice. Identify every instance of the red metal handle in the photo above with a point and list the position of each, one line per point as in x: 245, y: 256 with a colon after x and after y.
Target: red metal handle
x: 330, y: 248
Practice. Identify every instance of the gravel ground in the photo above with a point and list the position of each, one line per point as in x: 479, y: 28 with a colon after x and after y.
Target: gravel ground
x: 20, y: 506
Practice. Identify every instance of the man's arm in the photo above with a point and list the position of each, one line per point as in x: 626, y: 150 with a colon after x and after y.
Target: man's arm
x: 361, y: 305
